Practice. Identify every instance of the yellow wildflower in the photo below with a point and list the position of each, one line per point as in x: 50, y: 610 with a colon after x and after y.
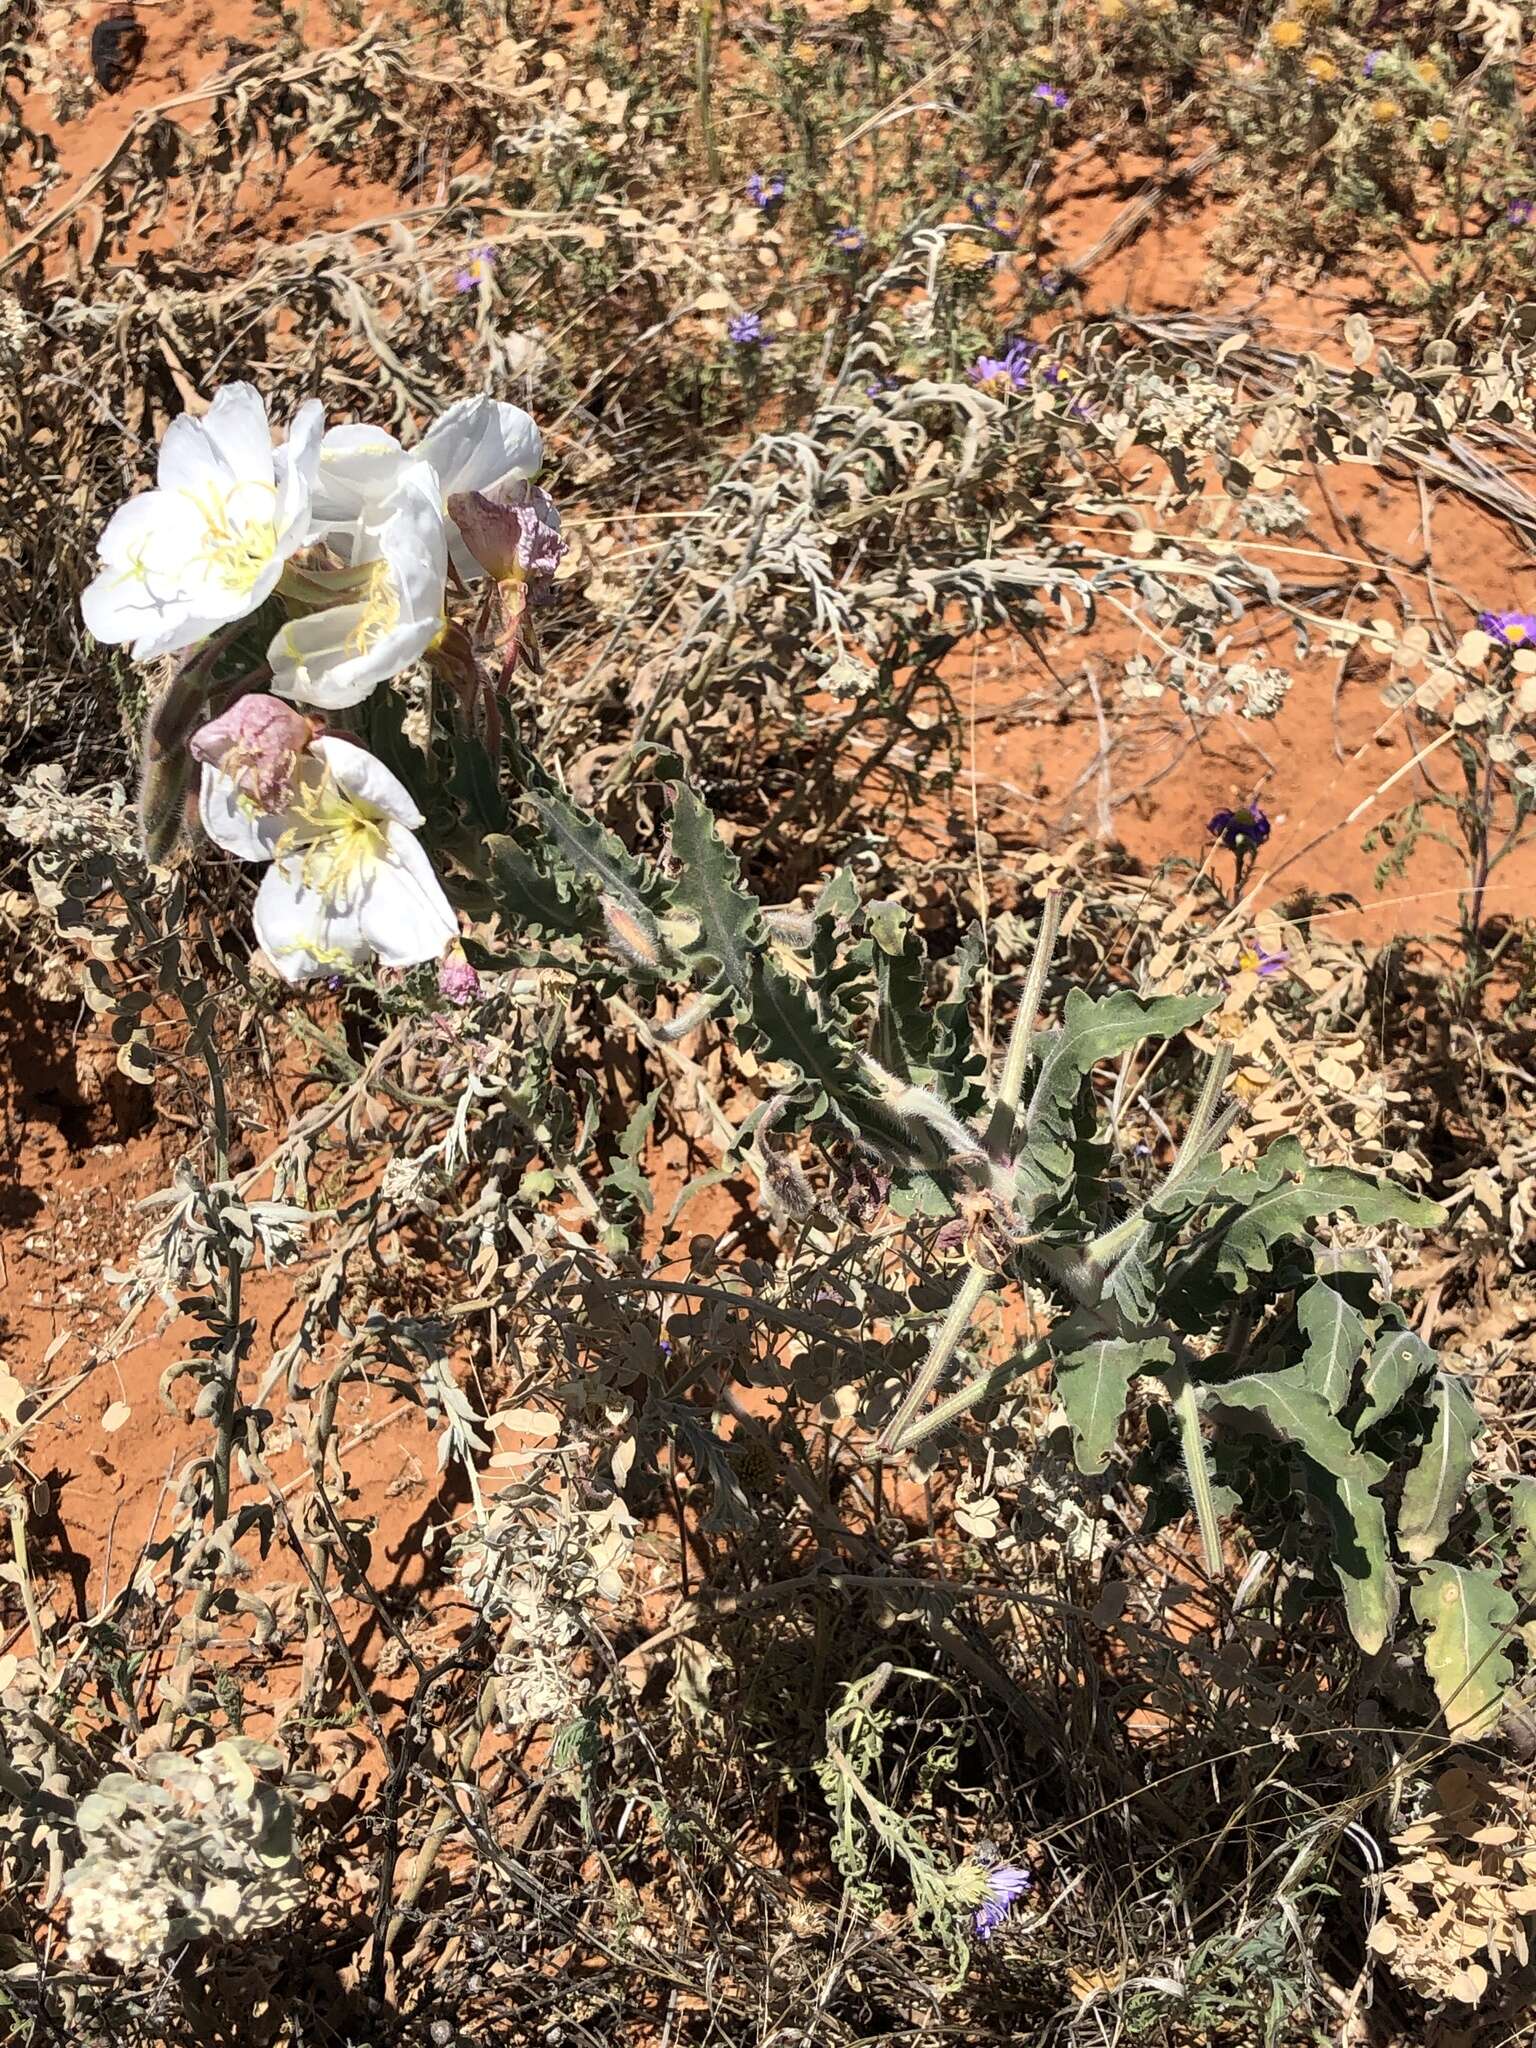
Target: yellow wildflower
x: 1112, y: 10
x: 1286, y: 34
x: 1385, y: 110
x: 1322, y: 70
x: 1427, y: 71
x: 804, y: 51
x: 1438, y: 130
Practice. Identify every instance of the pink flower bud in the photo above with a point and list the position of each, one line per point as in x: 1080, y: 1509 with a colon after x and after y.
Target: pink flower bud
x: 513, y: 532
x: 257, y: 744
x: 456, y: 979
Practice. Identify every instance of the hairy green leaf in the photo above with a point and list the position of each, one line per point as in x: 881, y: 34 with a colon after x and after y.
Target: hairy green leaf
x: 1468, y: 1617
x: 1434, y: 1487
x: 1522, y: 1527
x: 1334, y: 1331
x: 1399, y: 1360
x: 1093, y: 1382
x: 527, y: 896
x: 1362, y: 1558
x: 1287, y: 1405
x: 1092, y: 1029
x: 1272, y: 1204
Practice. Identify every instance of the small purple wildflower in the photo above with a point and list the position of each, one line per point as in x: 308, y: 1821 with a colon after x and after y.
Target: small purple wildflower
x: 1006, y: 1885
x: 983, y: 204
x: 477, y: 271
x: 1053, y: 96
x: 1254, y: 960
x: 1242, y: 830
x: 1510, y: 629
x: 765, y: 191
x: 881, y: 385
x: 1375, y: 59
x: 746, y: 330
x: 848, y: 238
x: 1052, y: 283
x: 1014, y: 365
x: 1519, y: 212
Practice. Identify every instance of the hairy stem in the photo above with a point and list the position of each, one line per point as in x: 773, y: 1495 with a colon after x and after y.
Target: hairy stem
x: 1001, y: 1132
x: 1187, y: 1411
x: 964, y: 1306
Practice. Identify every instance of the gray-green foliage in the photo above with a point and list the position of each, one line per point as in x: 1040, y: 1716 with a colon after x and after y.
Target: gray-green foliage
x: 1278, y: 1354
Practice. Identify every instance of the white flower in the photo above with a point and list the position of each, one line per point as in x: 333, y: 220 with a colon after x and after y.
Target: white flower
x: 476, y: 443
x: 390, y: 609
x: 349, y: 883
x: 207, y: 547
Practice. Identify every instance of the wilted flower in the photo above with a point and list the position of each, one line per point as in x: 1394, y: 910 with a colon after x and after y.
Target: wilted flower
x: 746, y: 330
x: 257, y: 744
x: 1003, y: 1886
x: 848, y: 238
x: 386, y: 611
x: 513, y: 532
x: 765, y: 191
x: 457, y: 981
x: 1510, y: 629
x: 1052, y: 95
x: 480, y: 269
x: 349, y: 882
x: 966, y: 253
x: 208, y: 545
x: 1242, y: 830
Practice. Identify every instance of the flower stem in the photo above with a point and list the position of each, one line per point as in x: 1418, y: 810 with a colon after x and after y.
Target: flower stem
x: 964, y: 1306
x: 1001, y: 1133
x: 1187, y: 1411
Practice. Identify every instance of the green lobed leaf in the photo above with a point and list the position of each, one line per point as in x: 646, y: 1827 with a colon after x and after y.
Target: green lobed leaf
x: 1093, y: 1382
x: 591, y: 850
x: 1334, y: 1332
x: 1092, y: 1029
x: 1399, y: 1361
x: 1522, y: 1527
x: 526, y: 895
x: 1468, y: 1616
x: 1433, y: 1489
x: 1361, y: 1557
x: 1271, y: 1205
x: 1289, y: 1406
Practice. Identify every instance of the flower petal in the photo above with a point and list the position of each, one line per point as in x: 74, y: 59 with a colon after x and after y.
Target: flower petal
x: 361, y: 774
x: 299, y: 932
x: 478, y: 441
x: 406, y: 918
x: 297, y: 464
x: 359, y: 468
x: 237, y: 428
x: 231, y: 822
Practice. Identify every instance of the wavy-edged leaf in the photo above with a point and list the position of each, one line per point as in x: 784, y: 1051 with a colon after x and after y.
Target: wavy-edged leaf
x: 1272, y: 1204
x: 1433, y: 1489
x: 528, y: 896
x: 1522, y: 1528
x: 1468, y: 1617
x: 1334, y: 1332
x: 956, y: 1058
x: 1093, y: 1382
x: 1399, y: 1360
x: 1362, y: 1558
x: 592, y: 850
x: 773, y: 1012
x: 1092, y: 1029
x: 1286, y: 1405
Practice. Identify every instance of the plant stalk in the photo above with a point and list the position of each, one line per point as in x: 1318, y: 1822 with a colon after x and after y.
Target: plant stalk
x: 964, y: 1306
x: 1001, y: 1132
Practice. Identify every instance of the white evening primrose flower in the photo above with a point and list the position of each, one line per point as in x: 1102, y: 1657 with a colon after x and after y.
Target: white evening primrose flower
x: 208, y: 545
x: 349, y: 882
x: 475, y: 444
x: 388, y: 605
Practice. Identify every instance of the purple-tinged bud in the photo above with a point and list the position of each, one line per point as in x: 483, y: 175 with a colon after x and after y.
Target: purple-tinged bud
x: 457, y: 981
x: 513, y: 532
x: 257, y: 744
